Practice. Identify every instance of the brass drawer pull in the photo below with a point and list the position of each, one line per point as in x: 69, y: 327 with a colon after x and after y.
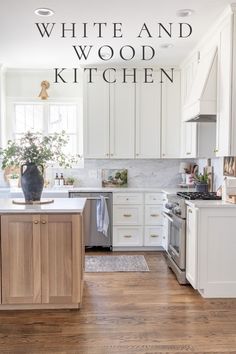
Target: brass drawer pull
x: 154, y: 235
x: 155, y: 215
x: 127, y: 215
x: 188, y: 153
x: 128, y: 236
x: 36, y: 222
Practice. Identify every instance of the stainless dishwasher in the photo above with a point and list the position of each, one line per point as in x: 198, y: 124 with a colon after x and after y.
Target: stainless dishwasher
x: 94, y: 238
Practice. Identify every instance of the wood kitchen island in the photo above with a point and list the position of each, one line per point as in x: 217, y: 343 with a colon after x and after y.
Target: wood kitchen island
x: 42, y: 254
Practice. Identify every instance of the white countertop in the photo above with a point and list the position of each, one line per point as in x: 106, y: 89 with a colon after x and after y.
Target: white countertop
x: 209, y: 204
x: 60, y: 205
x: 65, y: 190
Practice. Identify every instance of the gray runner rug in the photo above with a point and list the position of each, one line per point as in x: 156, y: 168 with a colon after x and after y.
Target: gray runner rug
x: 115, y: 264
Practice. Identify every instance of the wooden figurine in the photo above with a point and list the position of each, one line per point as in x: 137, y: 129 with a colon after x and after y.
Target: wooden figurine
x: 45, y: 86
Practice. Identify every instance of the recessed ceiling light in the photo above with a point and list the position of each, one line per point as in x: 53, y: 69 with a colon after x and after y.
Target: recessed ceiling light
x: 44, y: 12
x: 166, y: 45
x: 184, y: 12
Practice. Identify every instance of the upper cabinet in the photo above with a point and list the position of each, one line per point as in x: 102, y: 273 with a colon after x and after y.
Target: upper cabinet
x: 96, y: 118
x: 122, y: 118
x: 224, y: 146
x: 127, y: 120
x: 217, y: 139
x: 148, y: 118
x: 171, y: 118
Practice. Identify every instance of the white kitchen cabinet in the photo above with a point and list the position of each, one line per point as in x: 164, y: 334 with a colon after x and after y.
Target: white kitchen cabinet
x: 171, y: 116
x: 224, y: 89
x: 128, y: 236
x: 191, y: 247
x: 189, y: 140
x: 211, y: 248
x: 137, y: 221
x: 153, y: 214
x: 148, y: 118
x: 127, y: 214
x: 153, y: 236
x: 96, y: 118
x: 122, y: 118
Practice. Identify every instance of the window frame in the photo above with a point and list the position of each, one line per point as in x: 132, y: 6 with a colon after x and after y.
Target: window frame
x: 10, y: 118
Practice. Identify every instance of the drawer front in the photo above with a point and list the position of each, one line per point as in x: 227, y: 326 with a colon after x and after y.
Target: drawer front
x: 127, y: 215
x: 153, y: 215
x: 154, y: 198
x: 153, y: 236
x: 127, y: 236
x: 127, y: 198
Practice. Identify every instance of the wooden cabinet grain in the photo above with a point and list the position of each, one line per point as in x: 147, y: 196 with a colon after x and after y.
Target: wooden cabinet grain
x: 42, y: 259
x: 21, y: 259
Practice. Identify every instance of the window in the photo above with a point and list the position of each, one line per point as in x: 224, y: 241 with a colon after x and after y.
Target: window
x: 48, y: 118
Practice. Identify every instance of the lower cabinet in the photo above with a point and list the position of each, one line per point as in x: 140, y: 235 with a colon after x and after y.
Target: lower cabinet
x: 42, y: 259
x: 137, y: 222
x: 211, y: 249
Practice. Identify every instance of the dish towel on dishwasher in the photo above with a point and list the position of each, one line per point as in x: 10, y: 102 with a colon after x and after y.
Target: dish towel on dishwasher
x: 102, y: 215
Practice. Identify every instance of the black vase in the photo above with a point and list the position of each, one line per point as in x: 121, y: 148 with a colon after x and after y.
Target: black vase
x: 32, y: 181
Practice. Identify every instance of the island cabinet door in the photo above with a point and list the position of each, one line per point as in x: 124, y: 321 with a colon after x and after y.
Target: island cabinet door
x: 21, y: 259
x: 61, y: 259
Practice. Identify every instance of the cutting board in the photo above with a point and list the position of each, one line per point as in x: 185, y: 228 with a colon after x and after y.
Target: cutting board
x: 210, y: 171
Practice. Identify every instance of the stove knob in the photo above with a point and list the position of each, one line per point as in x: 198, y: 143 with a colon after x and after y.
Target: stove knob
x: 177, y: 211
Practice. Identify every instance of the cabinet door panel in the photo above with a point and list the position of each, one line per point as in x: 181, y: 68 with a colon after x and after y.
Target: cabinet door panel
x: 148, y: 118
x: 191, y: 247
x: 21, y: 265
x: 122, y: 116
x: 61, y: 259
x: 171, y: 118
x: 96, y: 118
x: 224, y: 87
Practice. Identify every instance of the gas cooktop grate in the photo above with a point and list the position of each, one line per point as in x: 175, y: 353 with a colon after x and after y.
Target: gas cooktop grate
x: 199, y: 195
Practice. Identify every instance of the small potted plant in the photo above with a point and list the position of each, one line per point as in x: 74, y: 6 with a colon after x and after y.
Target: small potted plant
x: 70, y: 181
x: 13, y: 180
x: 32, y: 153
x: 201, y: 181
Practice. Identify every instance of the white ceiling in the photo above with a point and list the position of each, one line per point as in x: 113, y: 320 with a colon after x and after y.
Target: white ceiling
x: 22, y: 46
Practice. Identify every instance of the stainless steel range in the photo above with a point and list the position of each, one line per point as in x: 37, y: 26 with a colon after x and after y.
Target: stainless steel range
x: 175, y: 211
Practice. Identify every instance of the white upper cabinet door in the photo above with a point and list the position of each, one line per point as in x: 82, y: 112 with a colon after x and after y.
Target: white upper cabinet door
x: 223, y: 140
x: 171, y: 116
x: 148, y: 117
x: 96, y: 118
x: 189, y: 140
x: 122, y: 117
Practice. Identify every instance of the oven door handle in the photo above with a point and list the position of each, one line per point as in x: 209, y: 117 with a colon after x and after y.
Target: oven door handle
x: 167, y: 216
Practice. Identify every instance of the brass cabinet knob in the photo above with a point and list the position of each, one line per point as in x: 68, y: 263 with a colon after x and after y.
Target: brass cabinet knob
x: 36, y: 222
x: 216, y: 150
x: 44, y: 222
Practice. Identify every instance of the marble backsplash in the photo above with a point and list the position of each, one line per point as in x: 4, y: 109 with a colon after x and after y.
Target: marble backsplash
x: 141, y: 173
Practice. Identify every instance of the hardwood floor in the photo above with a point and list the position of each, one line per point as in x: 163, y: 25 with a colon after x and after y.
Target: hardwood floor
x: 126, y: 313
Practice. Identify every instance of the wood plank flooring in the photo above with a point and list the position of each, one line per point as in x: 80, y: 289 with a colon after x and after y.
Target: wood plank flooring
x: 126, y: 313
